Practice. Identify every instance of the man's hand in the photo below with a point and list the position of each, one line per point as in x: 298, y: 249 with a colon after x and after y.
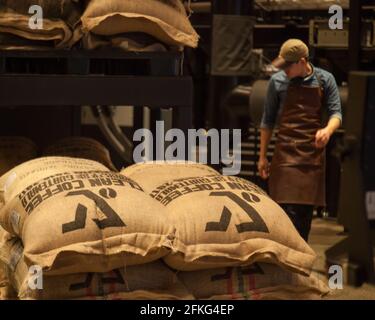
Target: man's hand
x: 322, y: 137
x: 263, y: 168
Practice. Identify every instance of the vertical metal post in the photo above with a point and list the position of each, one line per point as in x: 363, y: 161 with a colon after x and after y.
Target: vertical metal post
x: 355, y: 31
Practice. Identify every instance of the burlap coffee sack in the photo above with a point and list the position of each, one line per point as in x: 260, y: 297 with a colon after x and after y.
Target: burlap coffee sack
x: 89, y: 221
x: 14, y: 151
x: 25, y: 174
x: 151, y: 280
x: 221, y: 221
x: 56, y: 32
x: 228, y: 221
x: 81, y: 147
x: 259, y: 281
x: 60, y: 20
x: 69, y: 11
x: 165, y: 20
x: 153, y: 174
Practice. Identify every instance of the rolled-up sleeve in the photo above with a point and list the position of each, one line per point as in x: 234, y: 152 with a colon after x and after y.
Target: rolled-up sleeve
x: 332, y: 99
x: 271, y: 107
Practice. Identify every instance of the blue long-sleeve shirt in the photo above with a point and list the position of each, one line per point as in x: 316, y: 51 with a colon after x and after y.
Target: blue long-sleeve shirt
x: 278, y: 86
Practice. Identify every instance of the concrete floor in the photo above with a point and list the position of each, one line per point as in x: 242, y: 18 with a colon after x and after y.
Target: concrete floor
x: 324, y: 234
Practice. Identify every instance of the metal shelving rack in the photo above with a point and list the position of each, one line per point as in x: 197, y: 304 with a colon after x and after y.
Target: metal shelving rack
x: 98, y: 77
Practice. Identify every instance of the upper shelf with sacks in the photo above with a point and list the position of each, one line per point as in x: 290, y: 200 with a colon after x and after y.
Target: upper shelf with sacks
x: 133, y: 25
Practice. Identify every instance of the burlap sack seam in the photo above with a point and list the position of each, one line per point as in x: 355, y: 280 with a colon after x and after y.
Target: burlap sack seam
x: 290, y: 258
x: 204, y: 170
x: 180, y: 37
x: 32, y: 36
x: 85, y: 248
x: 163, y: 164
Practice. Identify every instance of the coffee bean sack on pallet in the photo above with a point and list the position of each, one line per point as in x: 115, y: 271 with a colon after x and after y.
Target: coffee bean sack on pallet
x: 14, y: 151
x: 27, y: 173
x: 259, y: 281
x: 223, y: 221
x: 147, y: 281
x: 166, y: 20
x: 81, y: 147
x: 88, y: 221
x: 60, y: 20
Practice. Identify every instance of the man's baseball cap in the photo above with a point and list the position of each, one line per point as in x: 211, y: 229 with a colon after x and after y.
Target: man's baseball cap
x: 291, y: 51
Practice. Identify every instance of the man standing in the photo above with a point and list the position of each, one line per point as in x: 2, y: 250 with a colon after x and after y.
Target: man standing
x: 298, y: 95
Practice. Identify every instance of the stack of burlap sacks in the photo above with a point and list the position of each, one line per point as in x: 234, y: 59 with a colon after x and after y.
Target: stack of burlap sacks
x: 99, y: 234
x: 93, y: 232
x: 80, y: 259
x: 61, y: 19
x: 231, y: 241
x: 133, y: 25
x: 153, y: 231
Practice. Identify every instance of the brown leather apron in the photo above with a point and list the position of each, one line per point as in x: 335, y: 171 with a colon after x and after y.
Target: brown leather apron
x: 297, y: 174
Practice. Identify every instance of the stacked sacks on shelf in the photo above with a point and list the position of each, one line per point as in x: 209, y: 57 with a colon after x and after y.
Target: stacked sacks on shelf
x: 74, y: 216
x: 147, y: 281
x: 141, y: 25
x: 14, y: 151
x: 60, y: 29
x: 224, y: 221
x: 81, y: 147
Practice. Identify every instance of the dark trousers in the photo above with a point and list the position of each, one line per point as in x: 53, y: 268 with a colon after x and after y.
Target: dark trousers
x: 301, y: 216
